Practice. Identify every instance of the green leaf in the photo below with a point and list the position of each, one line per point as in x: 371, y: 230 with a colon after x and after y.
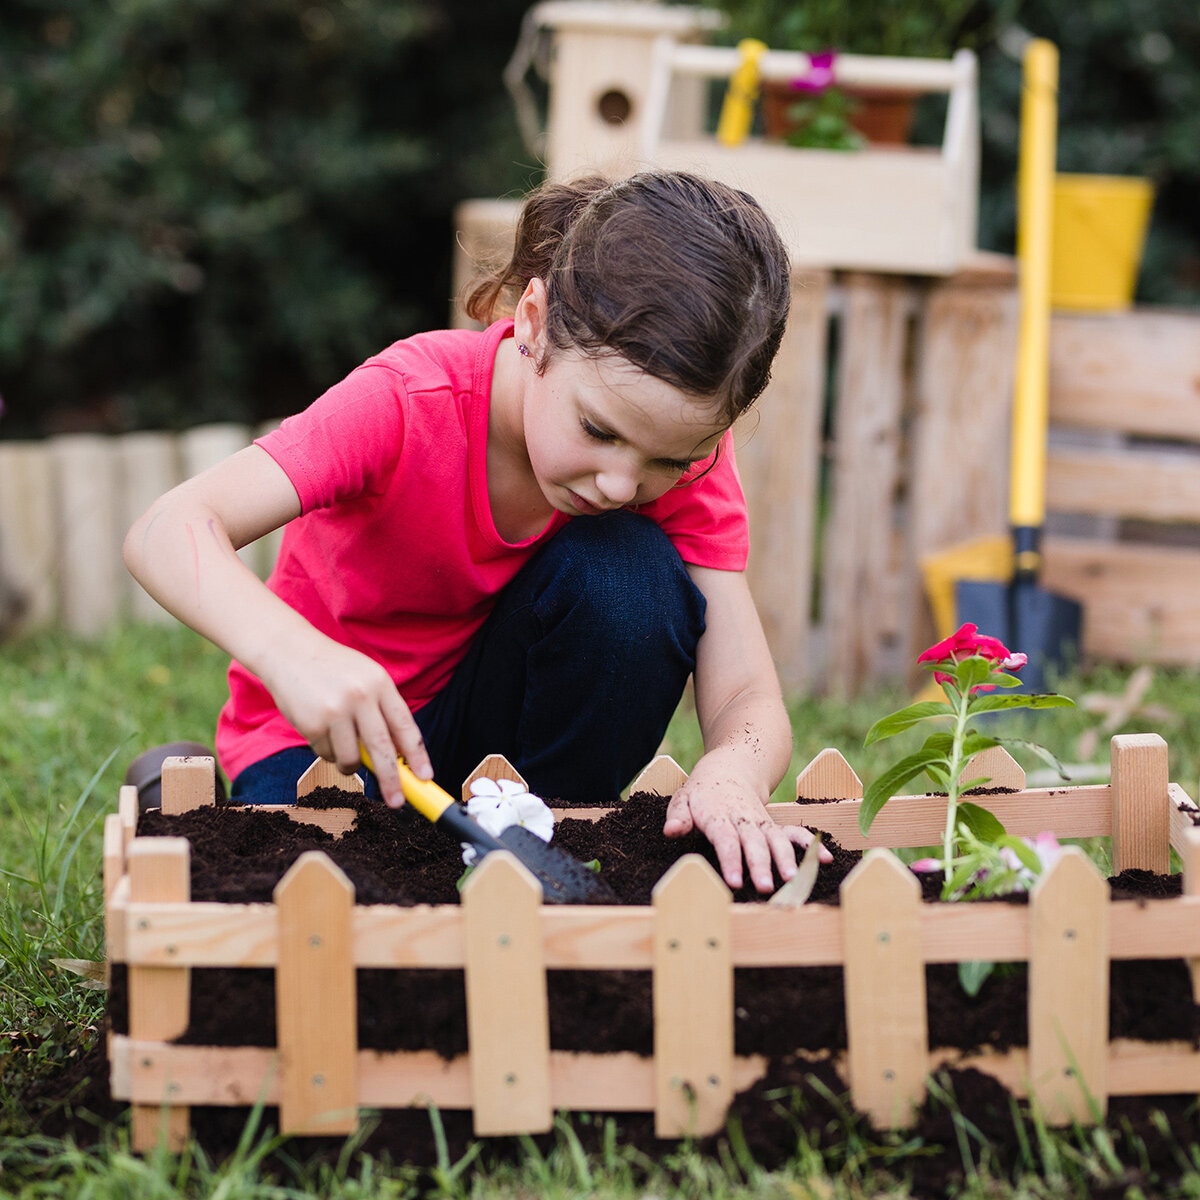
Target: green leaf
x: 889, y: 783
x: 1045, y: 755
x: 975, y: 742
x: 990, y: 702
x: 960, y: 879
x: 973, y: 975
x: 906, y: 718
x: 973, y: 671
x: 982, y: 823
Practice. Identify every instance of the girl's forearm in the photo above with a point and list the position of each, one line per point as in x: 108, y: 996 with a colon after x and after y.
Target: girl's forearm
x: 754, y: 732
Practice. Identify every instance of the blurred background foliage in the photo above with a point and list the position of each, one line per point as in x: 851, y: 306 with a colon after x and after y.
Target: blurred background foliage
x: 213, y: 209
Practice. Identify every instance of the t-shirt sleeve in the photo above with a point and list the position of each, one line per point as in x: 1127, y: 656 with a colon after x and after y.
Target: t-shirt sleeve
x: 347, y: 442
x: 705, y: 516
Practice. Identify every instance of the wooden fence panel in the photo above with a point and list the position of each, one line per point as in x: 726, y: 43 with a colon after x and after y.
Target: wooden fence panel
x: 858, y: 580
x: 779, y: 459
x: 150, y: 466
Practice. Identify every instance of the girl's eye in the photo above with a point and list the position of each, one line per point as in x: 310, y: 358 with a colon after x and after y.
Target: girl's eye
x: 594, y: 433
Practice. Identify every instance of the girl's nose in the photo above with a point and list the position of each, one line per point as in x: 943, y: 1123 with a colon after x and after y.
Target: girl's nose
x: 617, y: 487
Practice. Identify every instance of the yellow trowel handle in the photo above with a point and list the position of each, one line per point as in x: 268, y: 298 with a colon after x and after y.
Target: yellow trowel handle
x: 1035, y: 184
x: 430, y: 800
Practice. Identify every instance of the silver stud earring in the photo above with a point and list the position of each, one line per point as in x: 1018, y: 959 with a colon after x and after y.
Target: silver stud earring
x: 523, y: 350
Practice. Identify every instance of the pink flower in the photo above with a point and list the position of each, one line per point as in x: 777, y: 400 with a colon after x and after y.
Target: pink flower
x: 819, y: 75
x: 967, y: 641
x: 924, y: 866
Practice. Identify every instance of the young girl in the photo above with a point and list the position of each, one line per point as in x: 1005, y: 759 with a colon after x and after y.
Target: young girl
x: 522, y: 540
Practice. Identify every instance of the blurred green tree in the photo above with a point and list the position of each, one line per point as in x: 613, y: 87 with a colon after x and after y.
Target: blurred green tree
x: 1128, y: 104
x: 212, y: 209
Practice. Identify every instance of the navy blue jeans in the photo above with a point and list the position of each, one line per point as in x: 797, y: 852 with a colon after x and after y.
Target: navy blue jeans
x: 573, y: 677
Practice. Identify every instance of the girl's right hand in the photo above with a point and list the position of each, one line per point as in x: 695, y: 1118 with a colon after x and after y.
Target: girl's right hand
x: 336, y: 698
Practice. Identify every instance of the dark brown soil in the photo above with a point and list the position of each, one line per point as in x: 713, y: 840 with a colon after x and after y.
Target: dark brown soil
x: 398, y: 858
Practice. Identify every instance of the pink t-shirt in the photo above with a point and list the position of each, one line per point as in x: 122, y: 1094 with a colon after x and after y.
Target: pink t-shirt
x: 395, y: 552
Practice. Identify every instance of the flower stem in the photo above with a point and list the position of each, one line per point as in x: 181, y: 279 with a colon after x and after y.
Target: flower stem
x: 959, y: 701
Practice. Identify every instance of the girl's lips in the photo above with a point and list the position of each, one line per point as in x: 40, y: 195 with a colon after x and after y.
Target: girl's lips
x: 585, y: 507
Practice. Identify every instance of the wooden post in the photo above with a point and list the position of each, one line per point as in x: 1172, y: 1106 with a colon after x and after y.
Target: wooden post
x: 1141, y: 803
x: 315, y: 999
x: 188, y: 782
x: 1068, y: 992
x: 159, y: 870
x: 324, y: 774
x: 508, y: 1018
x: 887, y: 1028
x: 779, y: 460
x: 862, y: 557
x: 693, y: 1000
x: 828, y: 777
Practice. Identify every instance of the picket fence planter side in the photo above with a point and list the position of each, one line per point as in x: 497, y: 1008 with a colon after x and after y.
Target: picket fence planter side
x: 691, y: 939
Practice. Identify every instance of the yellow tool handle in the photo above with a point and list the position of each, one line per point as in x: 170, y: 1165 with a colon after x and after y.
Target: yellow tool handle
x: 424, y: 795
x: 737, y: 111
x: 1035, y: 189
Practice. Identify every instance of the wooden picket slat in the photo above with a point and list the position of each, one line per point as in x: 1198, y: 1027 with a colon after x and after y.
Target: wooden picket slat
x: 779, y: 460
x: 662, y: 776
x: 693, y: 1000
x: 998, y: 767
x: 188, y: 782
x: 148, y: 464
x: 858, y: 580
x: 29, y: 530
x: 159, y: 870
x: 324, y: 774
x: 91, y: 576
x: 887, y: 1031
x: 508, y: 1017
x: 494, y: 767
x: 828, y: 777
x: 1141, y: 803
x: 1068, y: 991
x: 315, y: 999
x: 113, y: 862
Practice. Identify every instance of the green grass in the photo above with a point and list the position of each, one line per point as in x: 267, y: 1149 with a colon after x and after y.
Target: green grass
x: 72, y: 714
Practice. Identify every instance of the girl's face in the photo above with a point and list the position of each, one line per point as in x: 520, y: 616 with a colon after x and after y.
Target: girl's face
x: 601, y: 434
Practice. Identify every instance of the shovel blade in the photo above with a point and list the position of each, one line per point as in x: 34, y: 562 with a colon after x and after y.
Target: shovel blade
x: 564, y: 880
x: 1027, y: 619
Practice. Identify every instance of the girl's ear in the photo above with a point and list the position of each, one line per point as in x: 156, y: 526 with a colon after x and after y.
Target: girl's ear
x: 529, y: 319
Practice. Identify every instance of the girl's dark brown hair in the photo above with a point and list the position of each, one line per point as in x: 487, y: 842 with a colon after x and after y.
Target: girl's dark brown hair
x: 684, y: 277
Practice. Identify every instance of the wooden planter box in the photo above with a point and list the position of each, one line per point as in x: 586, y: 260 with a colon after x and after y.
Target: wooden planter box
x: 691, y: 938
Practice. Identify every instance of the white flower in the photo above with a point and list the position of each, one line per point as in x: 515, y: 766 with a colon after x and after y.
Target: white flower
x: 497, y: 804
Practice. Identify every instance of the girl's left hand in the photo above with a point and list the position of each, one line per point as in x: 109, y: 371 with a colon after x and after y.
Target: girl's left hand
x: 734, y: 819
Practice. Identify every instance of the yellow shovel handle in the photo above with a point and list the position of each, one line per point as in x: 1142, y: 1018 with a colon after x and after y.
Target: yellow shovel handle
x: 424, y: 795
x: 1035, y: 189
